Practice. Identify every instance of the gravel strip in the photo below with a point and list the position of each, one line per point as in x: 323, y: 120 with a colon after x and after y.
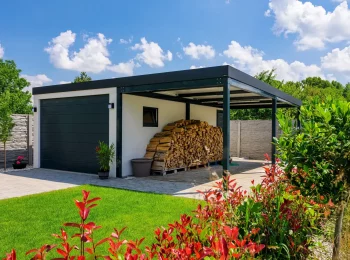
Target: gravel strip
x: 28, y: 168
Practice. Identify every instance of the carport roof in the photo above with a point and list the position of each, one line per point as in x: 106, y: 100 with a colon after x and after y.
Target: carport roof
x: 196, y: 86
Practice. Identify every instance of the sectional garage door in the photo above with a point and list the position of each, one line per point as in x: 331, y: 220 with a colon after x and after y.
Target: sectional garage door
x: 70, y: 129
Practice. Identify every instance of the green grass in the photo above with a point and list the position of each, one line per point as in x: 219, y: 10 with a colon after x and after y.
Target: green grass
x: 29, y: 221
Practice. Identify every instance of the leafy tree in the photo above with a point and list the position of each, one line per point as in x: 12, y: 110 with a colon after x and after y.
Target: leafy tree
x: 83, y: 77
x: 316, y: 157
x: 346, y: 92
x: 6, y: 122
x: 316, y: 82
x: 12, y: 83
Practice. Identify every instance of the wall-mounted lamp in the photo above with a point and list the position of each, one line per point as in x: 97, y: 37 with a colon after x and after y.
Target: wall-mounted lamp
x: 34, y: 109
x: 111, y: 105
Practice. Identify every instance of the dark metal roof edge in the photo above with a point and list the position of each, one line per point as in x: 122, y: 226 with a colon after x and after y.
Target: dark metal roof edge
x: 148, y: 79
x: 253, y: 82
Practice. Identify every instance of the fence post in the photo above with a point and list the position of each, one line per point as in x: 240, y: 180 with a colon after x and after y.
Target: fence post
x: 239, y: 139
x: 30, y: 139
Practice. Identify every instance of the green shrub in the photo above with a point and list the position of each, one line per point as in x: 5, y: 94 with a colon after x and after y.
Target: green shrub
x: 316, y: 156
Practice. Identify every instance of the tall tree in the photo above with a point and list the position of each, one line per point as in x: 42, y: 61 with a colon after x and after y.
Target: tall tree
x: 83, y: 77
x: 6, y: 121
x: 12, y: 83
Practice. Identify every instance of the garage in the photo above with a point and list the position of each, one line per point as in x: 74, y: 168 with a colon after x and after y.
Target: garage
x: 70, y: 129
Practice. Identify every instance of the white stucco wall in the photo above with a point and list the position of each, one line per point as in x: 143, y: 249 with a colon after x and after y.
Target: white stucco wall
x: 135, y: 136
x: 204, y: 113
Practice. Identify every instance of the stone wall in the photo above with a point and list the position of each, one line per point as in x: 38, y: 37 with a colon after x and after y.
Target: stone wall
x: 21, y: 142
x: 251, y: 139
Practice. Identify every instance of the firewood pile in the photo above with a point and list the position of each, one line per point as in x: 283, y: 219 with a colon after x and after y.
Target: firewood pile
x: 185, y: 143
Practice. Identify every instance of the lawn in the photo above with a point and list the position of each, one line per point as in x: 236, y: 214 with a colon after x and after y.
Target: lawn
x: 29, y: 221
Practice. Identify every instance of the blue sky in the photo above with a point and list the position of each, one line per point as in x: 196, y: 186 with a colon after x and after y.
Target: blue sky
x: 51, y: 41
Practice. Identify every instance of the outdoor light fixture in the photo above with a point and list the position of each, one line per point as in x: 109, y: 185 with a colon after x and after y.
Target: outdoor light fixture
x: 111, y: 105
x: 34, y: 109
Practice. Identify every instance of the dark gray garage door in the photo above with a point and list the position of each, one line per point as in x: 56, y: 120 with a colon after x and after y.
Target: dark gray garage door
x: 70, y: 130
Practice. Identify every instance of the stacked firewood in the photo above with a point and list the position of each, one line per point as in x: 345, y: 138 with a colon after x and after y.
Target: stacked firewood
x: 185, y: 143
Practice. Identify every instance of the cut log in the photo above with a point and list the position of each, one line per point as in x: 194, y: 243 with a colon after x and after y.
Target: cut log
x: 165, y: 140
x: 149, y: 155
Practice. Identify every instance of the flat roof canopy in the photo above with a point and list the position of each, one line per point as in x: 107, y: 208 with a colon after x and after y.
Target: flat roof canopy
x: 198, y: 86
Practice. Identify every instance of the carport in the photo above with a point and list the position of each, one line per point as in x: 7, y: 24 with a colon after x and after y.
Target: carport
x: 70, y: 119
x: 222, y: 87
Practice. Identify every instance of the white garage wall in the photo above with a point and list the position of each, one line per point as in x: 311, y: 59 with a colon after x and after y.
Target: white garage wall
x: 204, y: 113
x: 135, y: 136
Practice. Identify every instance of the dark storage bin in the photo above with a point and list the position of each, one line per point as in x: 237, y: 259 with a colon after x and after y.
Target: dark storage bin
x: 141, y: 167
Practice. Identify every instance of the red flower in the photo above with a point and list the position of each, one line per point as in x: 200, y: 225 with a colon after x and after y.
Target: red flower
x: 18, y: 162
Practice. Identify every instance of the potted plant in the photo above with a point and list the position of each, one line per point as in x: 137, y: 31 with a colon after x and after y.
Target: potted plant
x: 105, y: 155
x: 19, y: 163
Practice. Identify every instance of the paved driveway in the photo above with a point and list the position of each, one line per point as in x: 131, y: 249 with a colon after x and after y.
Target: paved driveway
x: 185, y: 184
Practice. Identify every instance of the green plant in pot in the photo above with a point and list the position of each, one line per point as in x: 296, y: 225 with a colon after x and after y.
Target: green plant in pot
x: 105, y: 155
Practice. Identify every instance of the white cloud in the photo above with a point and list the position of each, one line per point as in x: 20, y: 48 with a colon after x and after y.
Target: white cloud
x: 196, y: 67
x: 152, y: 54
x: 65, y: 82
x: 198, y: 51
x: 93, y: 57
x: 312, y: 24
x: 124, y: 68
x: 179, y: 55
x: 36, y: 81
x: 2, y: 51
x: 251, y: 61
x: 126, y: 41
x: 337, y: 60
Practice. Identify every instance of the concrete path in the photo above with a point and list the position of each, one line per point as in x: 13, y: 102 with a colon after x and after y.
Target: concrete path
x: 185, y: 184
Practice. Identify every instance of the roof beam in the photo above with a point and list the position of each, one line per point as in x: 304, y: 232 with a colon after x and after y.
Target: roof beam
x: 172, y: 98
x: 249, y: 103
x: 213, y: 93
x: 233, y: 99
x: 177, y: 85
x: 250, y: 106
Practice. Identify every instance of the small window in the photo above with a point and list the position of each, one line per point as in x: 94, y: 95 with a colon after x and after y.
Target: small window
x: 150, y: 117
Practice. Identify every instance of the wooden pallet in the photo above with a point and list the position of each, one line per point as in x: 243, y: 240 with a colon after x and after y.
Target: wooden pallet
x: 167, y: 171
x: 197, y: 166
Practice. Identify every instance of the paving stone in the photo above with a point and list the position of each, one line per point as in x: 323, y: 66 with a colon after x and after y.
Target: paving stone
x: 183, y: 184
